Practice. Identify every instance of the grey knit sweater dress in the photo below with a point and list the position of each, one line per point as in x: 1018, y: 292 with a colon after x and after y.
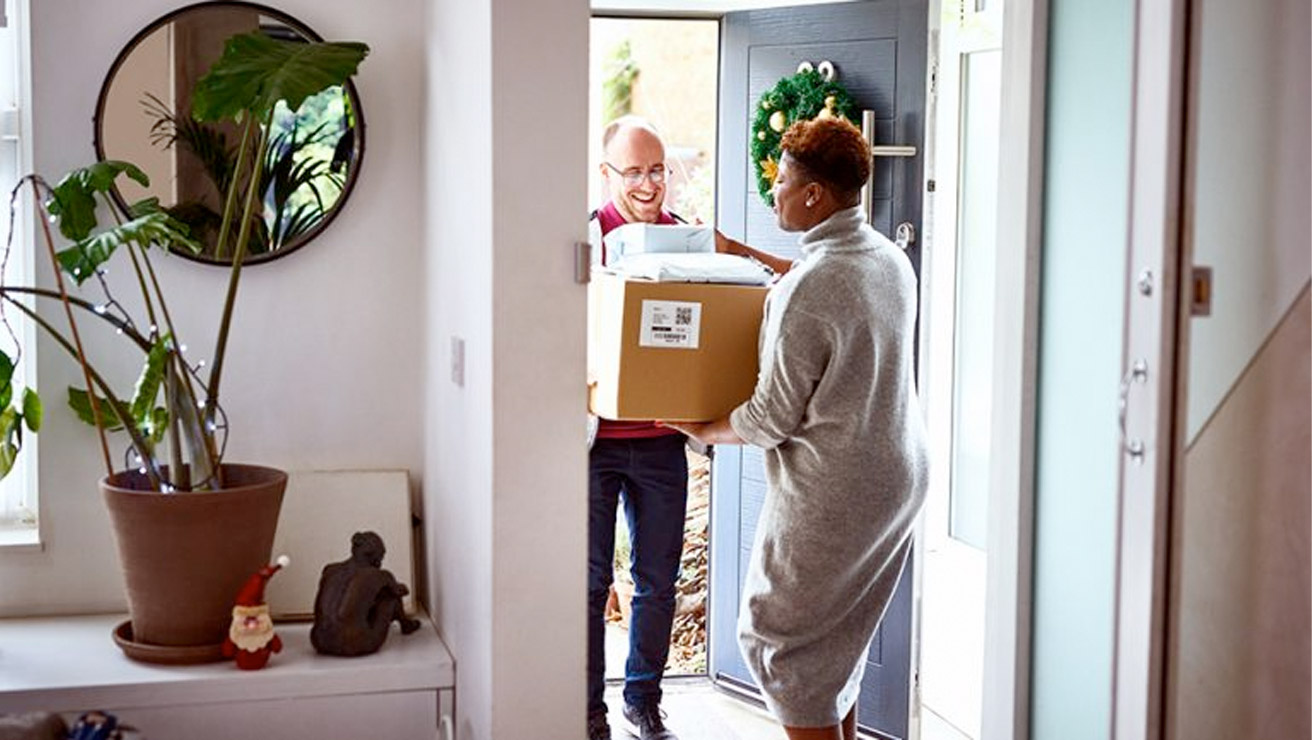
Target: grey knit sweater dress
x: 835, y: 410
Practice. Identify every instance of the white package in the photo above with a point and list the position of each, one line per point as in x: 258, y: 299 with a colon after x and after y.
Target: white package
x: 636, y: 238
x: 693, y: 268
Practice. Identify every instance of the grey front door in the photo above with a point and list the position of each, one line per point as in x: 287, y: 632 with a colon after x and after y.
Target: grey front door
x: 879, y: 50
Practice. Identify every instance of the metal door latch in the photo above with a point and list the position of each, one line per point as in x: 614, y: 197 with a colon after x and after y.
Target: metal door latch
x: 906, y: 235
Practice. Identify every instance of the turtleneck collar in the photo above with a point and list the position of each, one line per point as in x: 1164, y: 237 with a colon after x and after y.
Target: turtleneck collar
x: 835, y: 234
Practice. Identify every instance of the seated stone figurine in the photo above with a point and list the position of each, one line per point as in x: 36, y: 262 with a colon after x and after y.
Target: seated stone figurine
x: 358, y: 601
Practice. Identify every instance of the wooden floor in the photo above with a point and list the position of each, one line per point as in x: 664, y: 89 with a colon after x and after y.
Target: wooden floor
x: 697, y: 711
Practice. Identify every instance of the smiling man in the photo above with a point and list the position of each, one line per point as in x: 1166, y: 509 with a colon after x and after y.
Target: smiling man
x: 643, y: 462
x: 633, y: 167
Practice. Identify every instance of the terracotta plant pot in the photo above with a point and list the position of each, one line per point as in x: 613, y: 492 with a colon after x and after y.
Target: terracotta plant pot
x: 186, y: 555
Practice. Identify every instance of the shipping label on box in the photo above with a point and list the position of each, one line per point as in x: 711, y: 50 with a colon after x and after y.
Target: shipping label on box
x: 674, y: 324
x: 671, y: 351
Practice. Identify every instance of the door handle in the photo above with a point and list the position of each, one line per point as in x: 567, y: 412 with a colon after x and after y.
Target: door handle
x: 892, y: 151
x: 867, y: 191
x: 1138, y: 373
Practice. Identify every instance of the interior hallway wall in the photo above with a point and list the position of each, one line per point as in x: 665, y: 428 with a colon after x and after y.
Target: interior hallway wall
x: 326, y: 353
x: 1240, y: 656
x: 1086, y: 180
x: 504, y: 161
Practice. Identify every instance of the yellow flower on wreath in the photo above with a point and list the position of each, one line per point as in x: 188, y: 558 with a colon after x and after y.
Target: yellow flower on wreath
x: 769, y: 169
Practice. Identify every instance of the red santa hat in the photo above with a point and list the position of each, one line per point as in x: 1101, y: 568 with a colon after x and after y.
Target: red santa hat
x: 252, y: 594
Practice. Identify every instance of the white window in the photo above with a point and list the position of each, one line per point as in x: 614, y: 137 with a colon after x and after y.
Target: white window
x: 18, y: 504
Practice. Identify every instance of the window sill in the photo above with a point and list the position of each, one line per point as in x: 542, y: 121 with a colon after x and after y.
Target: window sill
x: 20, y: 539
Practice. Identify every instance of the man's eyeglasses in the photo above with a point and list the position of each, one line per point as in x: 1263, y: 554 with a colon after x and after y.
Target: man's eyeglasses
x: 634, y: 177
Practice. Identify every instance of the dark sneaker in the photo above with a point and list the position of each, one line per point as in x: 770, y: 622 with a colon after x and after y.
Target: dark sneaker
x: 647, y: 722
x: 598, y: 728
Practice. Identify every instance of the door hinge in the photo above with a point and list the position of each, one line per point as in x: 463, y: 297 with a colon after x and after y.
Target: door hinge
x: 1200, y: 291
x: 582, y: 263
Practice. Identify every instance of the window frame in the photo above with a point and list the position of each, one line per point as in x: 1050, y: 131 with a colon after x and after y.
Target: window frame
x: 19, y: 502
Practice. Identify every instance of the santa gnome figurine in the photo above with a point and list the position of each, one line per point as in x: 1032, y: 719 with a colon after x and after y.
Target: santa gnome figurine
x: 250, y: 638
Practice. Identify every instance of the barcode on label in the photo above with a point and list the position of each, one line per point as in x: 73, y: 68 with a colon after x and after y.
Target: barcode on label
x: 670, y: 324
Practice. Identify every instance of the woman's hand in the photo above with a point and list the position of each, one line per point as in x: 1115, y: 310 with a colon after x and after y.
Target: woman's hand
x: 726, y: 245
x: 777, y: 265
x: 718, y: 432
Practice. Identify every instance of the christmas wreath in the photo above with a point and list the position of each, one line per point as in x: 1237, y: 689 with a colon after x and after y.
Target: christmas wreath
x: 806, y: 95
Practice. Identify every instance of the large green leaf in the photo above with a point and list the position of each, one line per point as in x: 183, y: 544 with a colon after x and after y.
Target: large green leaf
x: 148, y: 383
x: 144, y: 207
x: 154, y: 228
x: 73, y: 202
x: 8, y: 453
x: 6, y: 368
x: 81, y: 405
x: 11, y: 430
x: 157, y: 425
x: 255, y: 72
x: 9, y: 422
x: 6, y: 380
x: 32, y: 409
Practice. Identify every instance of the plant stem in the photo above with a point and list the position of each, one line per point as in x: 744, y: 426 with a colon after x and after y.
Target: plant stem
x: 136, y: 268
x: 179, y: 471
x: 94, y: 380
x: 230, y: 200
x: 77, y: 340
x: 83, y: 304
x: 221, y: 346
x: 206, y: 438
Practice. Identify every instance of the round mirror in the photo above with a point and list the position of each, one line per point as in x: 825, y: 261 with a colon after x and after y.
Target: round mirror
x: 311, y: 161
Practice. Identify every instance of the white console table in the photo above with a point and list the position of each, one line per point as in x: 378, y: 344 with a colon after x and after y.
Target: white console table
x: 71, y: 665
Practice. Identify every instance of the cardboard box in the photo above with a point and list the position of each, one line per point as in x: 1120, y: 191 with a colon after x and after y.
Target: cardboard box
x: 671, y: 351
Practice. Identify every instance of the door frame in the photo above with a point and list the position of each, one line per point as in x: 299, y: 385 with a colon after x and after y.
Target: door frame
x: 1009, y: 593
x: 1006, y: 705
x: 1154, y: 316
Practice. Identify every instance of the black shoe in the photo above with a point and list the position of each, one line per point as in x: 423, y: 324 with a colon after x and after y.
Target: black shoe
x: 647, y: 722
x: 598, y: 728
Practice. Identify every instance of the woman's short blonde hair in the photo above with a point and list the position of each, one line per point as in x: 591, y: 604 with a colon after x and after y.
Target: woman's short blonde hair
x: 830, y: 150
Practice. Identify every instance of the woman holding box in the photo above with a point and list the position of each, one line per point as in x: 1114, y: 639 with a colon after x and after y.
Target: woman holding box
x: 835, y: 410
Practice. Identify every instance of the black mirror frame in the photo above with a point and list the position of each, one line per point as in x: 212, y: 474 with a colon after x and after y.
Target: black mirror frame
x: 295, y: 25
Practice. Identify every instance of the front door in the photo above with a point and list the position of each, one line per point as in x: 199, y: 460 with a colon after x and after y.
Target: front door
x: 878, y: 48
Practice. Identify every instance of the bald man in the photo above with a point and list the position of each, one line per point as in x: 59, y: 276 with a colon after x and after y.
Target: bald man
x: 644, y: 464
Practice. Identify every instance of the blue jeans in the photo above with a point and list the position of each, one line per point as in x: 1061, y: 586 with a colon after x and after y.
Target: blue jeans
x: 652, y: 475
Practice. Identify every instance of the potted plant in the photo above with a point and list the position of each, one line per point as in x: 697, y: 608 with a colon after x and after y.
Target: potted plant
x: 190, y: 526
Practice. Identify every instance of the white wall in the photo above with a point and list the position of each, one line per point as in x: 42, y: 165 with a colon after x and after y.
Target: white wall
x: 1250, y: 210
x: 506, y: 119
x: 457, y: 156
x: 325, y: 359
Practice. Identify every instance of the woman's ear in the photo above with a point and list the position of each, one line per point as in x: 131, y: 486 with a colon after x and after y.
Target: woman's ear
x: 814, y: 192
